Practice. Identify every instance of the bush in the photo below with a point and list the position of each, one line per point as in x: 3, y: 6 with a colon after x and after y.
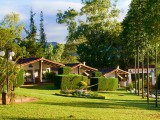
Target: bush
x: 49, y: 76
x: 69, y: 82
x: 82, y: 84
x: 20, y: 78
x: 107, y: 84
x: 96, y: 74
x: 64, y: 70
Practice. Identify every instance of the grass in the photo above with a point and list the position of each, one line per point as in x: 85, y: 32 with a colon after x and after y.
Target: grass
x: 118, y: 105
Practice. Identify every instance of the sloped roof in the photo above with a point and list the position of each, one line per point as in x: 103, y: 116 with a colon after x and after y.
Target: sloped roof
x: 85, y: 67
x: 119, y: 71
x: 27, y: 61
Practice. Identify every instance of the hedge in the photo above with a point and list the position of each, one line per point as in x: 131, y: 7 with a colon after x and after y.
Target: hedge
x: 64, y: 70
x: 96, y: 74
x: 104, y: 84
x: 69, y: 82
x: 107, y: 84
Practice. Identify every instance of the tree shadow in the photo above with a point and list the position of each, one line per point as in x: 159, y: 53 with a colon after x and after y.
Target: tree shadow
x: 108, y: 103
x: 70, y: 117
x: 42, y: 86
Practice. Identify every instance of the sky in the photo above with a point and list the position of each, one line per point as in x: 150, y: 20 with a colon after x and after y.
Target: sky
x: 55, y: 32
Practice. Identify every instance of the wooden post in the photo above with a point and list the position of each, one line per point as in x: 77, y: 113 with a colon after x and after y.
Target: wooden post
x: 135, y: 75
x: 40, y: 72
x: 142, y: 75
x: 138, y: 69
x: 147, y: 76
x: 156, y: 85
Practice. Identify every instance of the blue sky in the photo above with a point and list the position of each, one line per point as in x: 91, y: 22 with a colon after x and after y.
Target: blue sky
x: 54, y: 31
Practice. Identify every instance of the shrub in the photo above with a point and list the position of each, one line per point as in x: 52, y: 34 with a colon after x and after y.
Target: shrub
x: 82, y: 84
x: 64, y: 70
x: 50, y: 76
x: 20, y: 78
x: 107, y: 84
x: 69, y: 82
x: 96, y: 74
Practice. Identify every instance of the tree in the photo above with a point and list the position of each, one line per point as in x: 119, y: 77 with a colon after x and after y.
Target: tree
x: 152, y: 25
x: 30, y: 43
x: 96, y: 34
x: 70, y: 53
x: 133, y: 34
x: 49, y: 52
x: 57, y: 52
x: 43, y: 40
x: 12, y: 21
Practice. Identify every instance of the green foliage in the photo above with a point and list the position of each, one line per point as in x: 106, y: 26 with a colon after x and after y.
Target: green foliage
x: 96, y: 38
x: 20, y: 78
x: 96, y: 74
x: 50, y: 76
x: 57, y: 52
x: 64, y: 70
x: 49, y: 52
x: 107, y: 84
x: 43, y: 40
x: 69, y: 82
x: 82, y: 84
x: 14, y: 75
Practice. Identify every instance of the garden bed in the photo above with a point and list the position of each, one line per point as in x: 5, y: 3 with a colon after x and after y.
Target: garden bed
x: 80, y: 94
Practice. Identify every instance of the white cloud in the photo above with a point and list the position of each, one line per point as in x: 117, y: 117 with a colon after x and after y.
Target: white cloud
x: 8, y: 9
x: 56, y: 33
x: 52, y: 7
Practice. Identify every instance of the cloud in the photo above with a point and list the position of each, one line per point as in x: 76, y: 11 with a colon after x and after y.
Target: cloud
x: 56, y: 32
x: 6, y: 9
x: 52, y: 7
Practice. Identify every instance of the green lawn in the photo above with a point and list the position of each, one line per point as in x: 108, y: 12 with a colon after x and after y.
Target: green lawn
x: 118, y: 105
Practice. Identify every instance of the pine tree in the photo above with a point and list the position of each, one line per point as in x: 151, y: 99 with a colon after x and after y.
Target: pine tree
x: 43, y: 40
x: 31, y: 40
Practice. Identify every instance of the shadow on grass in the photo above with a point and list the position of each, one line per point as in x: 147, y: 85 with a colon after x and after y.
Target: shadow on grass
x: 42, y: 86
x: 70, y: 117
x: 108, y: 103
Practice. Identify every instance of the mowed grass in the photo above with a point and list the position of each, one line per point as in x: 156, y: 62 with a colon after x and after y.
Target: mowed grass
x: 118, y: 105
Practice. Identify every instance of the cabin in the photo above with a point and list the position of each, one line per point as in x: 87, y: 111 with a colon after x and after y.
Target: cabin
x: 151, y: 72
x: 36, y: 67
x: 81, y: 68
x: 116, y: 73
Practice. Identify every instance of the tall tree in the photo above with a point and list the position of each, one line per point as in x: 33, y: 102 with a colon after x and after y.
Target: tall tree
x: 12, y: 22
x: 30, y: 42
x: 57, y: 52
x: 43, y: 40
x: 49, y: 52
x: 97, y: 34
x: 133, y: 34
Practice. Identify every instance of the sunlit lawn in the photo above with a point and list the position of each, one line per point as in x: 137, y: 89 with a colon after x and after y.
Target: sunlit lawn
x: 118, y: 105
